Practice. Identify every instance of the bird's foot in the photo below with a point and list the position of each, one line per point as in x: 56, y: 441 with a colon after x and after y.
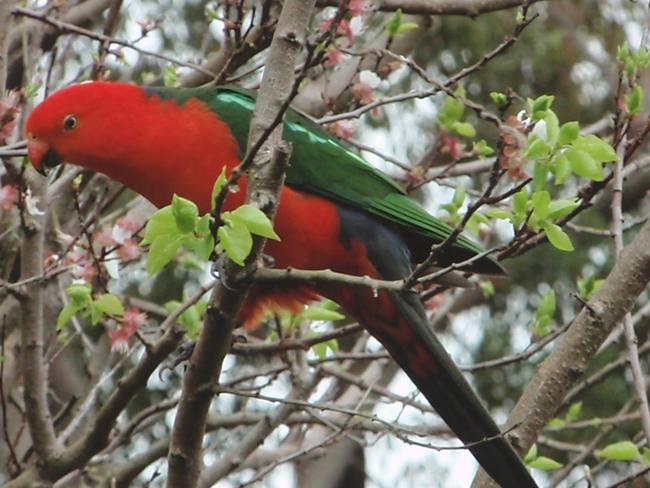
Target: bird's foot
x: 182, y: 354
x: 268, y: 261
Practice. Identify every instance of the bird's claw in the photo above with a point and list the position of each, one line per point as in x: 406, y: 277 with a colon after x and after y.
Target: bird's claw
x: 218, y: 271
x: 268, y: 261
x: 183, y: 353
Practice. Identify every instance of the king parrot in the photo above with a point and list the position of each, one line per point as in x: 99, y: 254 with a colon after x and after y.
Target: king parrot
x: 335, y: 212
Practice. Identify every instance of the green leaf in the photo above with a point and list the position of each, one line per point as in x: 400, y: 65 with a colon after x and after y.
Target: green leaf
x: 162, y: 251
x: 406, y: 27
x: 333, y: 345
x: 557, y: 237
x: 552, y: 128
x: 641, y: 58
x: 531, y: 454
x: 556, y: 423
x: 596, y: 148
x: 645, y: 456
x: 561, y: 168
x: 499, y: 99
x: 320, y: 349
x: 561, y: 208
x: 574, y: 412
x: 568, y: 133
x: 236, y: 240
x: 190, y: 319
x: 497, y: 213
x: 66, y: 315
x: 392, y: 26
x: 620, y: 451
x: 161, y: 223
x: 634, y: 101
x: 464, y: 129
x: 623, y: 52
x: 474, y: 222
x: 459, y: 196
x: 588, y: 286
x: 482, y: 149
x: 31, y: 90
x: 450, y: 113
x: 541, y: 327
x: 79, y: 294
x: 218, y: 185
x: 540, y: 201
x: 537, y: 108
x: 545, y: 463
x: 185, y: 212
x: 583, y: 164
x: 108, y: 304
x: 204, y: 247
x: 316, y: 312
x: 170, y: 79
x: 95, y: 314
x: 487, y: 288
x: 520, y: 200
x: 596, y: 422
x: 547, y: 305
x: 203, y: 226
x: 254, y: 220
x: 537, y: 148
x: 540, y: 171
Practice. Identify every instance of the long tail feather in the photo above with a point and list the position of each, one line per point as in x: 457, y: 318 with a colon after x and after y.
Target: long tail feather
x: 399, y: 322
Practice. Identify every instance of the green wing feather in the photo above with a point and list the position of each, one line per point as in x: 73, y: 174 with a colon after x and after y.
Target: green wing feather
x: 322, y: 165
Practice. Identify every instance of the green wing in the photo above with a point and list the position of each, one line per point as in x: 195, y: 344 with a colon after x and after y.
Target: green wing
x: 322, y: 165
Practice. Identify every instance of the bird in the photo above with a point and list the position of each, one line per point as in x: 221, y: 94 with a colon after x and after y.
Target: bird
x: 335, y: 212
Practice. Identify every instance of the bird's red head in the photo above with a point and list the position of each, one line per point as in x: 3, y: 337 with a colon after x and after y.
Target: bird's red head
x: 66, y: 126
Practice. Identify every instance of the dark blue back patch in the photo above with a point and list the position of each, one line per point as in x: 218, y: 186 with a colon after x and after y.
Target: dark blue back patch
x: 386, y: 249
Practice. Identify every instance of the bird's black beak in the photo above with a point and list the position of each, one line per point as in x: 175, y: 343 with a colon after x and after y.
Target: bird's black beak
x: 50, y: 159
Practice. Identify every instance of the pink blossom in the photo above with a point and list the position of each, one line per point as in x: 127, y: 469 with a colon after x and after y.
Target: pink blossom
x: 342, y: 129
x: 131, y: 221
x: 357, y: 7
x: 346, y: 30
x: 343, y: 30
x: 129, y: 325
x: 8, y: 197
x: 103, y: 237
x: 333, y: 56
x: 86, y: 272
x: 125, y: 227
x: 51, y: 260
x: 8, y: 115
x: 76, y: 255
x: 363, y: 93
x: 129, y: 250
x: 452, y: 146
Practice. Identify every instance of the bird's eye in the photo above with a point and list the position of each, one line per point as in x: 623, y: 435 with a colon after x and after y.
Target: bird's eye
x: 70, y: 122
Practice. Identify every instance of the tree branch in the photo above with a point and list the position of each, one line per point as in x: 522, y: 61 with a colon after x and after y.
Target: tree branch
x: 264, y: 186
x: 566, y: 364
x: 469, y: 8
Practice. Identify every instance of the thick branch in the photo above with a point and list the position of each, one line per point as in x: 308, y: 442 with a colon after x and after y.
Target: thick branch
x: 34, y: 371
x: 567, y: 363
